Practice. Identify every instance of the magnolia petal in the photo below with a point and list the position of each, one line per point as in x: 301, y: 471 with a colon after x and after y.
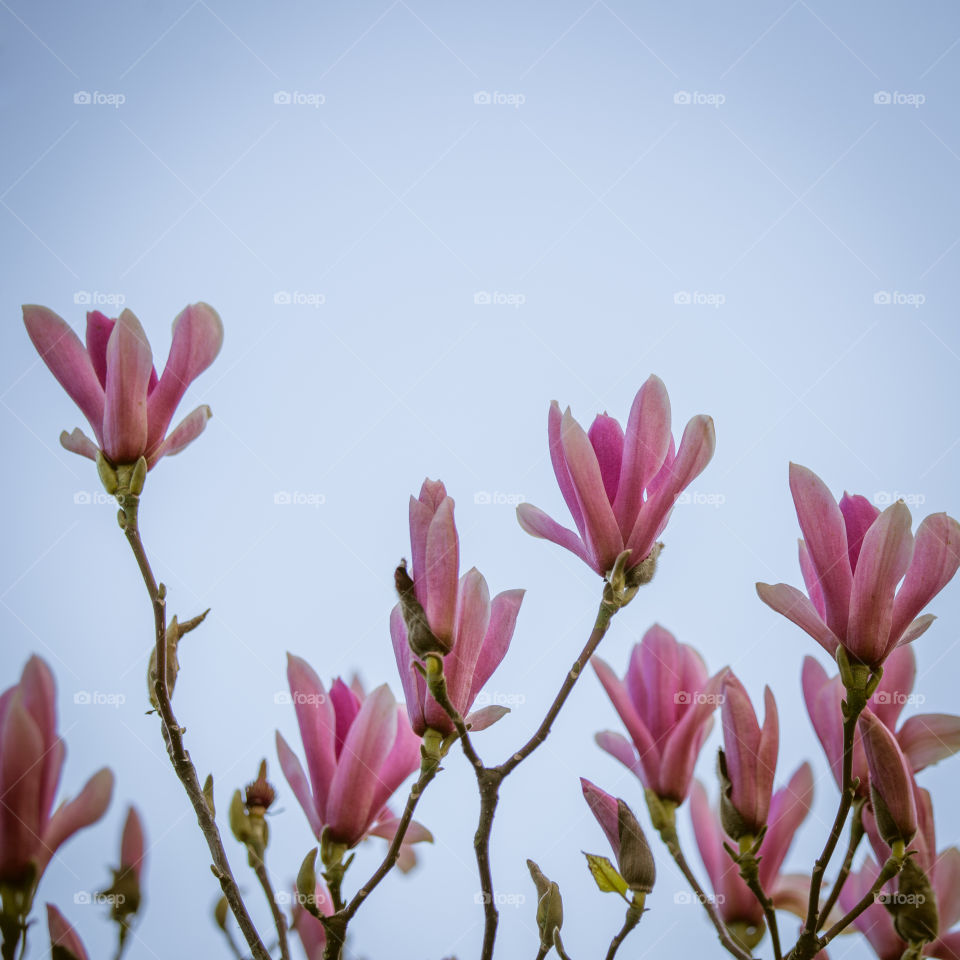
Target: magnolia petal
x: 403, y: 759
x: 601, y: 533
x: 21, y: 782
x: 293, y: 771
x: 825, y: 535
x: 917, y: 628
x: 810, y: 581
x: 442, y: 571
x: 797, y: 608
x: 86, y: 808
x: 62, y: 935
x: 317, y: 722
x: 645, y: 446
x: 197, y: 338
x: 189, y: 428
x: 788, y: 809
x: 504, y: 609
x: 63, y: 353
x: 606, y: 438
x: 890, y: 774
x: 605, y: 809
x: 99, y: 328
x: 559, y: 461
x: 858, y: 516
x: 619, y: 747
x: 416, y: 832
x: 132, y: 849
x: 928, y: 738
x: 414, y: 687
x: 356, y: 779
x: 936, y: 556
x: 535, y: 522
x: 884, y: 558
x: 696, y: 450
x: 485, y: 717
x: 78, y: 442
x: 129, y: 363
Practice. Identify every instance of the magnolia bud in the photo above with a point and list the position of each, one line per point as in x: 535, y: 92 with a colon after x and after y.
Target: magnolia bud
x: 419, y: 635
x: 307, y: 879
x: 220, y: 912
x: 549, y: 905
x: 915, y: 914
x: 635, y: 860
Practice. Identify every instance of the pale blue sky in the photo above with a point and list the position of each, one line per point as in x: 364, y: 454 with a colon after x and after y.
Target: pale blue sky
x: 710, y: 193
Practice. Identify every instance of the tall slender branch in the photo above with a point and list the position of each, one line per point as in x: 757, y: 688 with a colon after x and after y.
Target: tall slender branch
x: 279, y: 919
x: 890, y: 869
x: 856, y: 835
x: 173, y: 732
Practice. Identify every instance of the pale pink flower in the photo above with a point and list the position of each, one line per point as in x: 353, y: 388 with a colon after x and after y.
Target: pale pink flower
x: 852, y: 557
x: 474, y: 629
x: 666, y: 701
x: 31, y: 761
x: 113, y: 382
x: 358, y: 751
x: 62, y: 935
x: 620, y: 487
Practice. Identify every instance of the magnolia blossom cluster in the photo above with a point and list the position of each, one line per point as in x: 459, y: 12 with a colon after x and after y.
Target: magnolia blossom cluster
x: 869, y: 579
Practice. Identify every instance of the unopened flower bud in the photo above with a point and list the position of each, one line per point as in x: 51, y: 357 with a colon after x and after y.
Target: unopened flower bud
x: 549, y: 905
x: 307, y: 879
x: 260, y: 793
x: 208, y: 794
x: 891, y: 782
x: 635, y: 859
x: 421, y: 638
x: 915, y: 914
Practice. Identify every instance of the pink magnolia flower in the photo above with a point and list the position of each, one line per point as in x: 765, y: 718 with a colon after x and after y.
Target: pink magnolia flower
x: 666, y: 702
x: 358, y: 749
x: 113, y: 382
x: 62, y: 935
x: 737, y: 905
x: 313, y: 937
x: 476, y: 630
x: 925, y: 739
x: 852, y: 557
x: 31, y: 761
x: 749, y: 758
x: 634, y: 859
x: 620, y: 487
x: 891, y: 780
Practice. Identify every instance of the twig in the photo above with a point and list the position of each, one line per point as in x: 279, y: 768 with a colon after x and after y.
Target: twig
x: 630, y: 921
x: 672, y: 841
x: 173, y: 733
x: 856, y: 835
x: 279, y: 919
x: 890, y: 869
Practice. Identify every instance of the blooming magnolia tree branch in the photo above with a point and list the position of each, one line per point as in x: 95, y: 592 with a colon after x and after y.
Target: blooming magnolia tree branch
x: 173, y: 732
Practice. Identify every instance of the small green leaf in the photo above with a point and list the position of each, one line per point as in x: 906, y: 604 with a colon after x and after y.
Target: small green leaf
x: 605, y: 875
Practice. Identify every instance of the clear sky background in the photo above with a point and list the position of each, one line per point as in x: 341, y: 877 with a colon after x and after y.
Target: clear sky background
x: 711, y: 193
